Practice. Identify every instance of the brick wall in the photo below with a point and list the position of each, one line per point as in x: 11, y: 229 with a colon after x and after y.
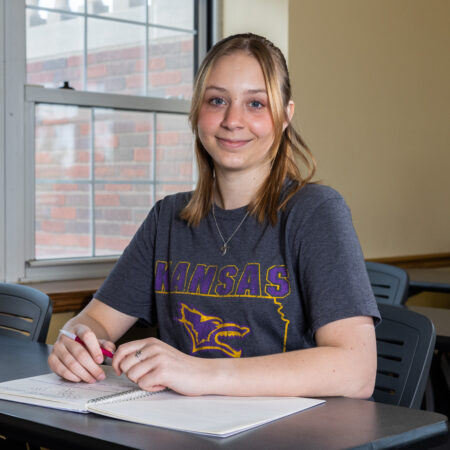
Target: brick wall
x: 130, y: 171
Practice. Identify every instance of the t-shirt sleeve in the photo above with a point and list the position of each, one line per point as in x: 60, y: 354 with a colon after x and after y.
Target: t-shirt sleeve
x: 333, y: 275
x: 129, y: 286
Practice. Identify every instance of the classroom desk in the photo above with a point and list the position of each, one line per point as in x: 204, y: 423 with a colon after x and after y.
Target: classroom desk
x: 441, y: 320
x: 431, y: 279
x: 339, y: 423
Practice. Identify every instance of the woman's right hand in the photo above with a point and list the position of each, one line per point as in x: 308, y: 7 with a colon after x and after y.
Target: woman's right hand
x: 76, y: 362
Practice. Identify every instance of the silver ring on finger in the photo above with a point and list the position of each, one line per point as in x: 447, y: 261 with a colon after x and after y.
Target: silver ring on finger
x: 138, y: 354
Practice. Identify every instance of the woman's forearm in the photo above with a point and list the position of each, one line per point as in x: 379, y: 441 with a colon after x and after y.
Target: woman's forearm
x: 320, y: 371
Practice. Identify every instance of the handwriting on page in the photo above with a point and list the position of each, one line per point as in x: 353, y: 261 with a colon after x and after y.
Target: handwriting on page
x: 53, y: 387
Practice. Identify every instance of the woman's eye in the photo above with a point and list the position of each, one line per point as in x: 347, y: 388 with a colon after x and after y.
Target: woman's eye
x: 217, y: 101
x: 256, y: 104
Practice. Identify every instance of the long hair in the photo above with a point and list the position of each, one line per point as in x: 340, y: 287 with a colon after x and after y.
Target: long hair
x: 287, y: 150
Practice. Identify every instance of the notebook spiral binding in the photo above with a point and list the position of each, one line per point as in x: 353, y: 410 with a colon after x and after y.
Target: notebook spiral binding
x: 132, y: 394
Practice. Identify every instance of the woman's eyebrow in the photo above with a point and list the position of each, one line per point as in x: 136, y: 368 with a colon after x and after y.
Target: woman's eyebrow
x: 249, y: 91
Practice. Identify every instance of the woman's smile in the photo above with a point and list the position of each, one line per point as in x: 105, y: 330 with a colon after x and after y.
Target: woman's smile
x: 232, y: 143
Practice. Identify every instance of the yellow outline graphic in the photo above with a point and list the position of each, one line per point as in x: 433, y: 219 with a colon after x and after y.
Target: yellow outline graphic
x: 219, y: 329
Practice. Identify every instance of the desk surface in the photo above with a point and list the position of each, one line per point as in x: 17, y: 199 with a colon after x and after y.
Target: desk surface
x: 339, y: 423
x: 429, y: 279
x: 441, y: 320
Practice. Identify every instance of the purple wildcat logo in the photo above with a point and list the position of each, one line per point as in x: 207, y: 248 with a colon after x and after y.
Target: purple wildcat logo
x: 207, y: 332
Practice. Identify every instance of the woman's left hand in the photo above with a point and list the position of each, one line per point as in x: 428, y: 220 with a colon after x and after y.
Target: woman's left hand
x: 154, y: 365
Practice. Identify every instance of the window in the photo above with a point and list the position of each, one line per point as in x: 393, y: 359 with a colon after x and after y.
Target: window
x: 102, y: 130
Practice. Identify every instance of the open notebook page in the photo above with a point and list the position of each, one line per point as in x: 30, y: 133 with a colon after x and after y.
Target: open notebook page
x: 52, y: 391
x: 211, y: 415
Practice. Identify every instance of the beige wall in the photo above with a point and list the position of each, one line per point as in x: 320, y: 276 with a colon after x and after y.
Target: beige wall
x: 265, y: 17
x: 370, y: 81
x: 372, y: 90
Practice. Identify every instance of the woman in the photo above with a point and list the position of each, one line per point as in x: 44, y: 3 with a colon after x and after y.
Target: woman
x: 256, y: 279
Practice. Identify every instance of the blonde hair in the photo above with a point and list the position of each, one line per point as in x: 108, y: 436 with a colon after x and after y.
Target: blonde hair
x: 287, y: 145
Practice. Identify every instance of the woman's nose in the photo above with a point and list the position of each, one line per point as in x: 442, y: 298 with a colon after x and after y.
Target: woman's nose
x: 233, y: 117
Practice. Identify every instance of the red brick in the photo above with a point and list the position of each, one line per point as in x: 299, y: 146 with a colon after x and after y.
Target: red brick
x: 83, y: 156
x: 117, y: 187
x: 66, y: 187
x: 183, y: 90
x: 187, y: 46
x: 84, y: 129
x: 74, y: 61
x: 106, y: 140
x: 52, y: 226
x: 34, y: 67
x: 186, y: 169
x: 50, y: 199
x: 127, y: 229
x: 99, y: 156
x: 78, y: 171
x: 113, y: 243
x: 140, y: 66
x: 135, y: 81
x: 167, y: 138
x: 64, y: 213
x: 43, y: 157
x: 142, y: 154
x: 68, y: 240
x: 107, y: 200
x: 132, y: 53
x: 156, y: 64
x: 134, y: 172
x: 104, y: 171
x: 143, y: 126
x: 165, y: 78
x: 97, y: 71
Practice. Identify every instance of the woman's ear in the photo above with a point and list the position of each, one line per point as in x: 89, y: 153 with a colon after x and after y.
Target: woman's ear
x: 289, y: 112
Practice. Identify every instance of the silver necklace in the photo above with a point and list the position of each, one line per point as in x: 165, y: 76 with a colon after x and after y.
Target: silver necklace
x: 225, y: 245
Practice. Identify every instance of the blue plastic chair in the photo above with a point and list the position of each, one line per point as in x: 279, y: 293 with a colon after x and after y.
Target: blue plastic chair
x: 25, y: 312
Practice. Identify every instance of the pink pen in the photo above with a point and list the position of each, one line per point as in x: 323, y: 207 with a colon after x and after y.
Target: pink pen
x: 77, y: 339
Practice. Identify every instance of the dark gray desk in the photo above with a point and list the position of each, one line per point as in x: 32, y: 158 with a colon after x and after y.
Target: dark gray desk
x: 339, y: 423
x: 441, y: 319
x: 432, y: 279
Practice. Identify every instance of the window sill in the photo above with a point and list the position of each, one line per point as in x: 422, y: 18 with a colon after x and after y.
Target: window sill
x: 70, y: 295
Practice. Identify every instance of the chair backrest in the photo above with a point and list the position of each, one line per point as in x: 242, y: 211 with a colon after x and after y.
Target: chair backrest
x: 24, y: 312
x: 405, y: 346
x: 390, y: 284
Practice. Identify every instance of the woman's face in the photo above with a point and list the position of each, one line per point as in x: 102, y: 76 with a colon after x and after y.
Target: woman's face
x: 235, y: 124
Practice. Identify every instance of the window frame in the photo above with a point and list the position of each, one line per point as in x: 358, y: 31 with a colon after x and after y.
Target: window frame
x: 17, y: 198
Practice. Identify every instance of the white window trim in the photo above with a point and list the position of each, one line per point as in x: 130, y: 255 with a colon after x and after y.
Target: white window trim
x: 17, y: 151
x: 2, y: 142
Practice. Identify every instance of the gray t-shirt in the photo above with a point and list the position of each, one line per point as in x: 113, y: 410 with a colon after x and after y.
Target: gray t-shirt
x: 269, y: 293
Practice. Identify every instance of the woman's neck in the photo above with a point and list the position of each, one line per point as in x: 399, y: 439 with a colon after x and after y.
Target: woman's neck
x: 236, y: 189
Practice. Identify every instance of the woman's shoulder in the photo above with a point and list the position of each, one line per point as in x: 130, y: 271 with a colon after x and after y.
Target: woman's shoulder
x: 313, y: 194
x: 170, y: 206
x: 314, y: 200
x: 179, y: 199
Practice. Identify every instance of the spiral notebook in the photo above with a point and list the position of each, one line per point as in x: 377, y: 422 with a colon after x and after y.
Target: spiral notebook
x: 118, y: 397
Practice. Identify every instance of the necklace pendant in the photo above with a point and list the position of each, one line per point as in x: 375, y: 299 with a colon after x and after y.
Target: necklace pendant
x: 224, y: 249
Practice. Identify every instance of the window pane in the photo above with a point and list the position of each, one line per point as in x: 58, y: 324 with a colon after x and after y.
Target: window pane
x: 174, y: 154
x: 171, y: 64
x: 64, y: 5
x: 163, y: 190
x: 128, y: 10
x: 63, y: 143
x: 54, y: 49
x: 119, y: 210
x: 123, y: 145
x: 62, y: 170
x: 174, y: 13
x: 116, y: 57
x: 63, y: 217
